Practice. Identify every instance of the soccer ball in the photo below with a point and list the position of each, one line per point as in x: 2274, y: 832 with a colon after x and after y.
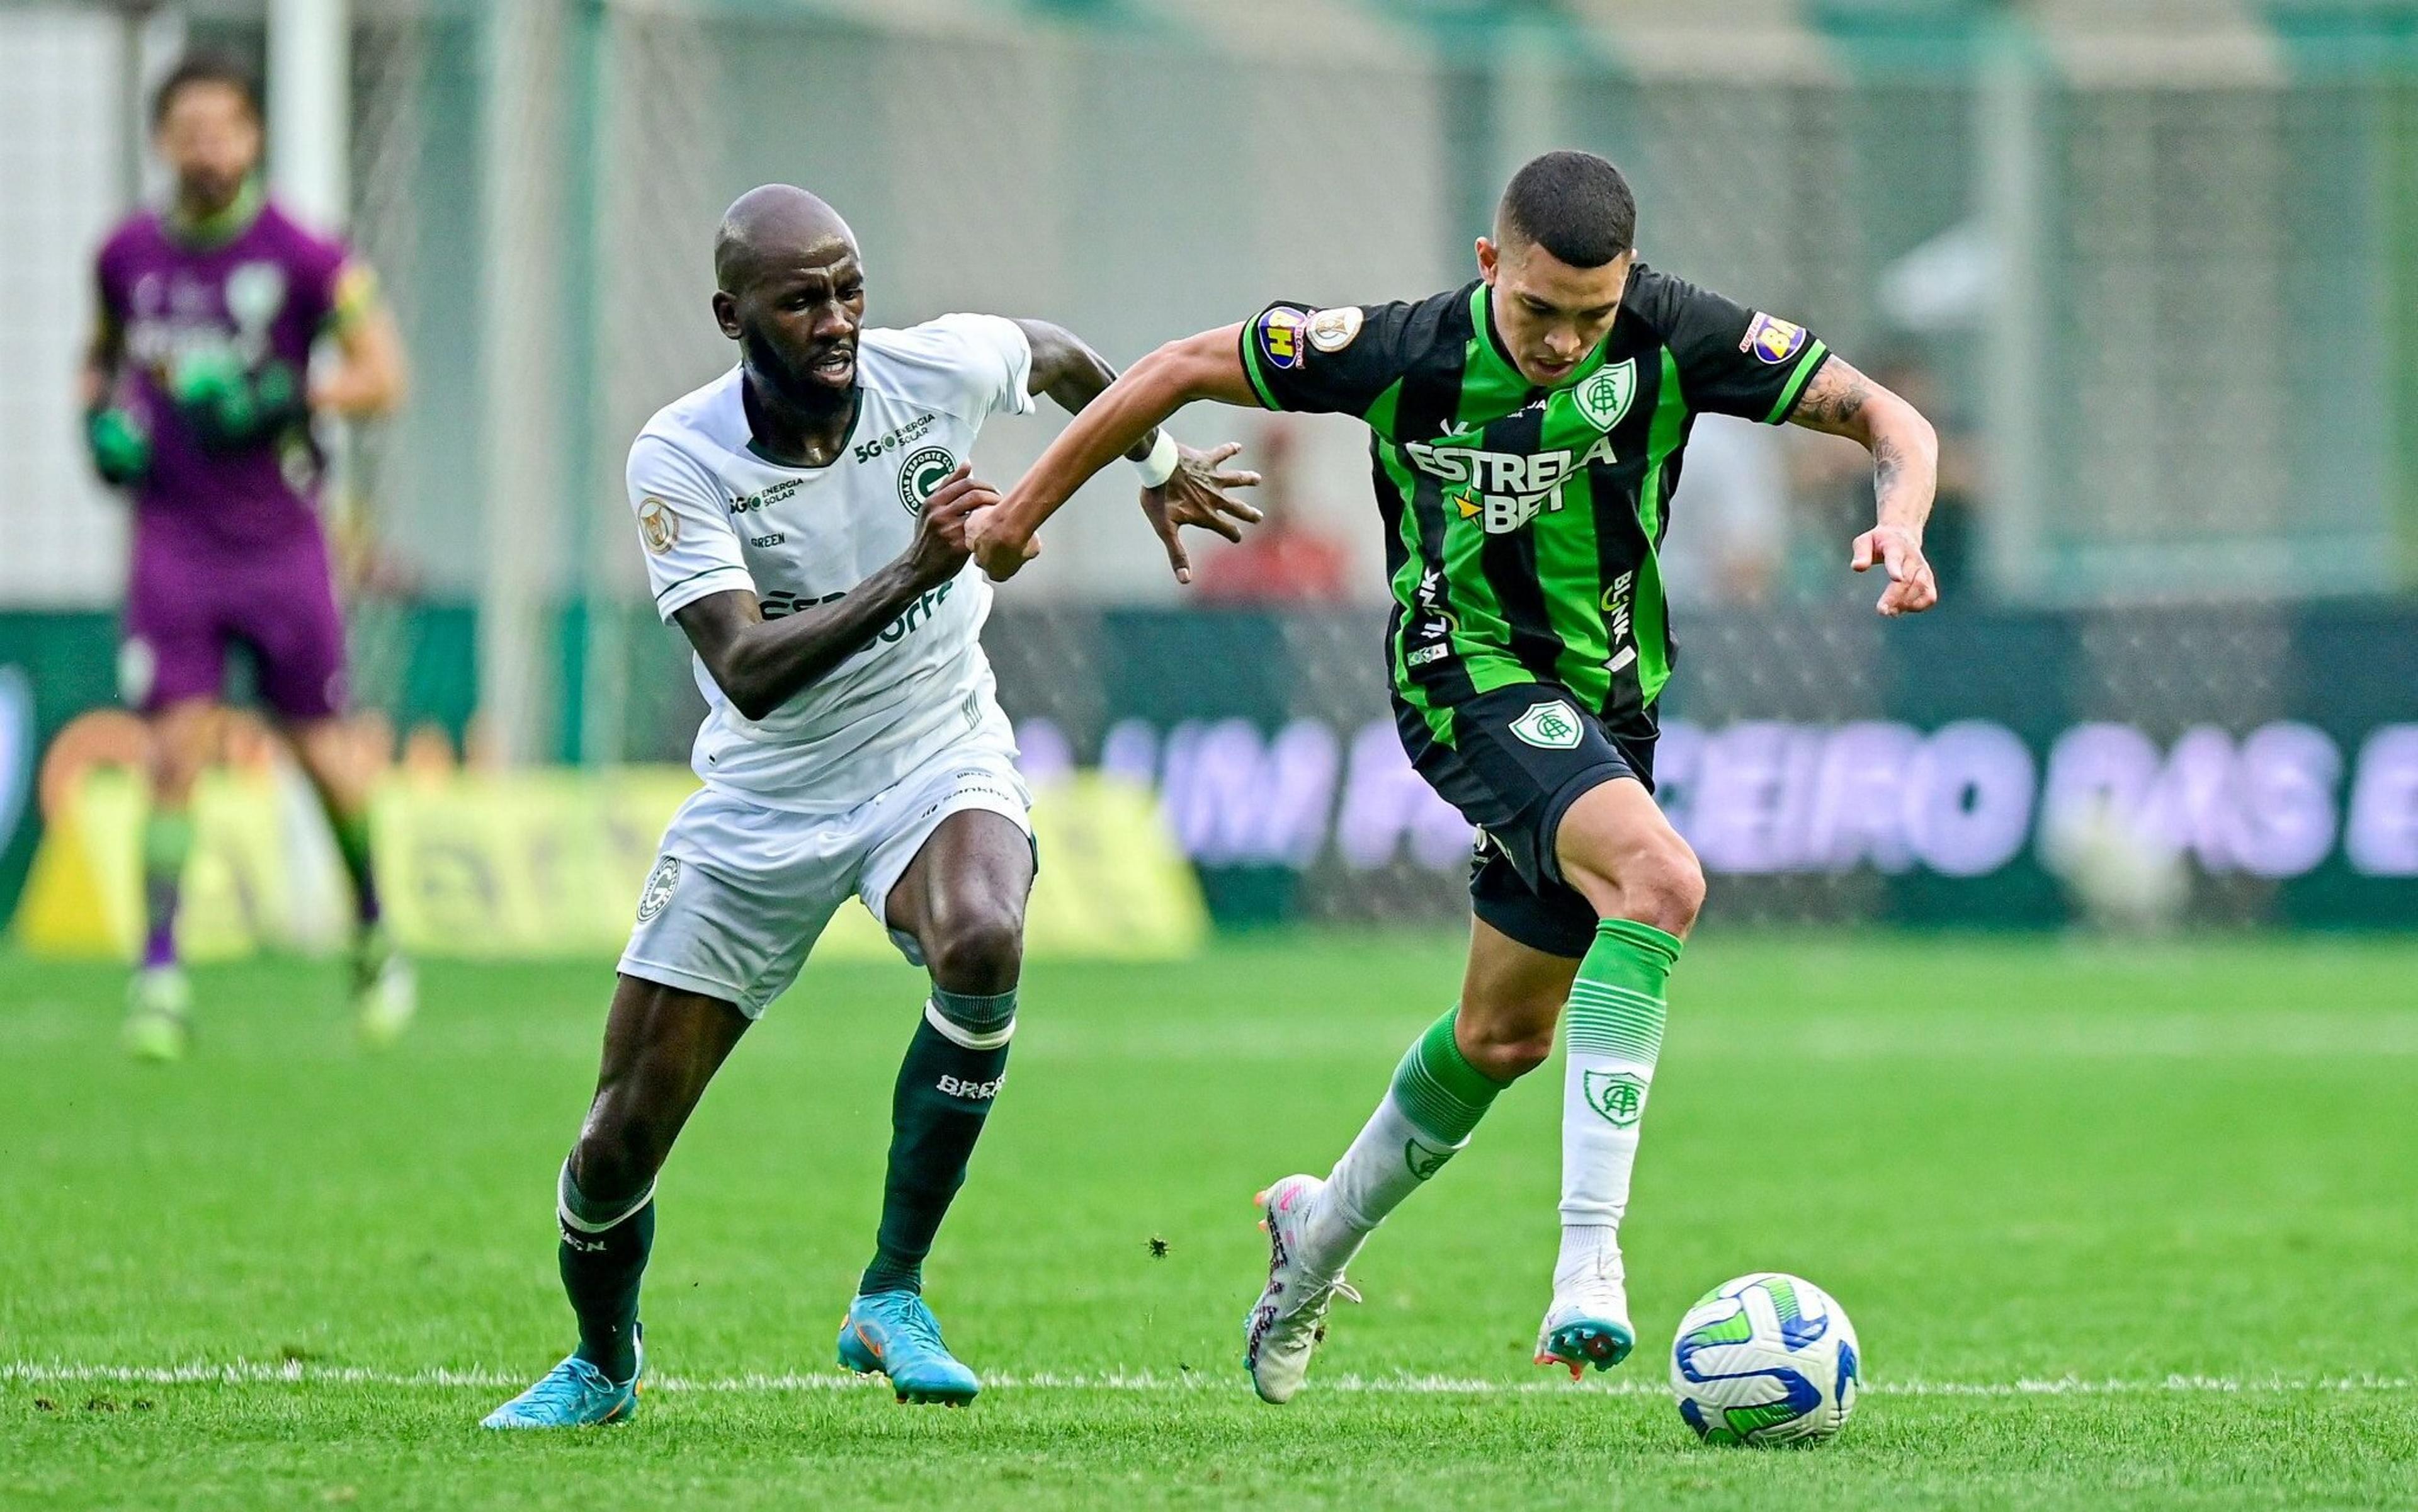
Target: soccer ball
x: 1765, y: 1359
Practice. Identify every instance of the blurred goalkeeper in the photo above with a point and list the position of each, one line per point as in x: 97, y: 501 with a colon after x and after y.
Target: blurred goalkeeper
x: 1527, y: 428
x: 198, y: 398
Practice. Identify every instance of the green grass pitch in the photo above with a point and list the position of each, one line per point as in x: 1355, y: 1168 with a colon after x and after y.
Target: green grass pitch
x: 2119, y: 1226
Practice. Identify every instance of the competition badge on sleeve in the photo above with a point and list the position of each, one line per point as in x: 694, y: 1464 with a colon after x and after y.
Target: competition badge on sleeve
x: 1771, y: 340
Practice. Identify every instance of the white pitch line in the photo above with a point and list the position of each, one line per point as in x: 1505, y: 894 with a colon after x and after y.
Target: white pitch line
x: 295, y: 1372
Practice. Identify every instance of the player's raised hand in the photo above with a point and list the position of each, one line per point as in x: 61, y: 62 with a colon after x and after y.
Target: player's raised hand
x: 940, y: 549
x: 1899, y: 552
x: 1195, y: 493
x: 998, y: 548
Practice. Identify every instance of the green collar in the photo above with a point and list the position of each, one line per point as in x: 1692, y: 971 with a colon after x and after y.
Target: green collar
x: 1496, y: 356
x: 220, y: 226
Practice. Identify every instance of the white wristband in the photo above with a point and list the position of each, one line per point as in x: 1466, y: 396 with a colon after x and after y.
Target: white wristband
x: 1159, y: 465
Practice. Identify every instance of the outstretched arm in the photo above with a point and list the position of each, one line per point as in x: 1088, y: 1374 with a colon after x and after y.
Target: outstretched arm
x: 1906, y: 473
x: 1128, y: 412
x: 1191, y: 486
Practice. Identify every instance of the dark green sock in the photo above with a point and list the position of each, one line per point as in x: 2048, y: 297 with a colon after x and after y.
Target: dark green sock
x: 602, y: 1256
x: 353, y: 845
x: 945, y: 1088
x: 167, y: 844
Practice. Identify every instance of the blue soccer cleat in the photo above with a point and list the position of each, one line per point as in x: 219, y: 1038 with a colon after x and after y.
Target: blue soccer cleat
x: 573, y: 1394
x: 894, y: 1333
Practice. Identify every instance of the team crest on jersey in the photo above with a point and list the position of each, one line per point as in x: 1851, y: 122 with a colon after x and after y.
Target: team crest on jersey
x: 1332, y: 330
x: 660, y: 884
x: 254, y: 293
x: 1618, y: 1096
x: 1604, y: 398
x: 922, y: 475
x: 1282, y: 335
x: 658, y: 526
x: 1771, y: 340
x: 1548, y: 726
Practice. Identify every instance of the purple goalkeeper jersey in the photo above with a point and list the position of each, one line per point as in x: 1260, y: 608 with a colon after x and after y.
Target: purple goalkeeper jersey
x: 265, y: 294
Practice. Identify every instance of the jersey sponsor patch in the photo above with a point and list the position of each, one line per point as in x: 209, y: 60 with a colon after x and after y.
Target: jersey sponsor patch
x: 922, y: 475
x: 1604, y: 398
x: 1548, y: 726
x: 1771, y: 340
x: 658, y: 526
x: 1332, y: 330
x: 1282, y: 333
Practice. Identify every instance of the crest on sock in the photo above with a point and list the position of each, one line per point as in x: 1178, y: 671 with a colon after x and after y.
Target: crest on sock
x: 1618, y: 1096
x: 1422, y: 1161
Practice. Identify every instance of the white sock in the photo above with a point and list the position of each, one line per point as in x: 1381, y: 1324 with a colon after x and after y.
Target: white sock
x: 1391, y: 1158
x: 1435, y: 1100
x: 1614, y: 1035
x: 1603, y: 1102
x: 1590, y: 1253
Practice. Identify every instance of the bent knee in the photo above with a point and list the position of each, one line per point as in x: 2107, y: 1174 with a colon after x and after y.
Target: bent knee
x: 615, y: 1157
x: 1669, y: 891
x: 1661, y: 883
x: 1508, y: 1060
x: 979, y: 951
x: 1504, y: 1048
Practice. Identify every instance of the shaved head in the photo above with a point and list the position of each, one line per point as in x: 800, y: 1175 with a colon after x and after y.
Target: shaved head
x: 776, y: 225
x: 790, y: 289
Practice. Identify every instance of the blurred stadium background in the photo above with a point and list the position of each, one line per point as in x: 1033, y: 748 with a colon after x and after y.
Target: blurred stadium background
x: 2152, y: 264
x: 2115, y: 1218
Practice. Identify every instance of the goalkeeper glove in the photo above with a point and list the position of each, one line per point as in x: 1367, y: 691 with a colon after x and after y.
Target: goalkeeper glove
x: 231, y: 408
x: 121, y: 453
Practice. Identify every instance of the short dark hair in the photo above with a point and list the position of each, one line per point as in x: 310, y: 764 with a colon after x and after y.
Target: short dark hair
x: 1574, y: 205
x: 205, y: 68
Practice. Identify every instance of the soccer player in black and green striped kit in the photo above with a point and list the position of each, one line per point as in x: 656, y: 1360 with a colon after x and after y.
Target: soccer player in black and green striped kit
x: 1528, y: 430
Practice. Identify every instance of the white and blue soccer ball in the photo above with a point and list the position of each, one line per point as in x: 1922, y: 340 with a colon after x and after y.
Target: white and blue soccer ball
x: 1766, y: 1359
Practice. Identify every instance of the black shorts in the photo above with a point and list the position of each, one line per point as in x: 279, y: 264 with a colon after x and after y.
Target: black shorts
x: 1518, y: 758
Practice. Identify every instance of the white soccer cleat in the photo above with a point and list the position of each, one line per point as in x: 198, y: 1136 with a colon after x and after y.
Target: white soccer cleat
x: 159, y: 1014
x: 386, y: 995
x: 1588, y: 1322
x: 1289, y: 1318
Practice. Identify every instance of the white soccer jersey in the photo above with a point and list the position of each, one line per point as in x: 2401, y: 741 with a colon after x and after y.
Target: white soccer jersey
x: 714, y: 516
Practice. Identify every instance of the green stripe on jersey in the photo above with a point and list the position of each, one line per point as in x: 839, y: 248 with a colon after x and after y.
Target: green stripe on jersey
x: 1568, y: 566
x: 1647, y: 618
x: 1490, y: 388
x: 1406, y: 586
x: 1805, y: 366
x: 1251, y: 368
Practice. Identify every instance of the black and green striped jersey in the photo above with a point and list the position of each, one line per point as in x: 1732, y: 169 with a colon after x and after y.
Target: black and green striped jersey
x: 1520, y: 522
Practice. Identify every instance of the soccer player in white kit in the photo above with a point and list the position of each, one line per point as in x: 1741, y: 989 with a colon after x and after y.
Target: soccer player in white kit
x: 803, y: 519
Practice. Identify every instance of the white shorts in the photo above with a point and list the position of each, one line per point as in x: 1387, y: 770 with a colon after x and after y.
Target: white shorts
x: 740, y: 892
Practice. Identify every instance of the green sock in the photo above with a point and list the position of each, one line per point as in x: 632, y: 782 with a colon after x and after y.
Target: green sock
x: 946, y: 1084
x: 167, y: 844
x: 1439, y: 1089
x: 353, y: 845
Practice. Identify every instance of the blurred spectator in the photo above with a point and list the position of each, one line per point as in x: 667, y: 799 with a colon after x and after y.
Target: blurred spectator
x: 1282, y: 559
x: 1834, y: 489
x: 1728, y: 535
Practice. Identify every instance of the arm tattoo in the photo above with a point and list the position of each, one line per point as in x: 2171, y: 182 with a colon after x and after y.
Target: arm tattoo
x: 1889, y: 460
x: 1835, y: 401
